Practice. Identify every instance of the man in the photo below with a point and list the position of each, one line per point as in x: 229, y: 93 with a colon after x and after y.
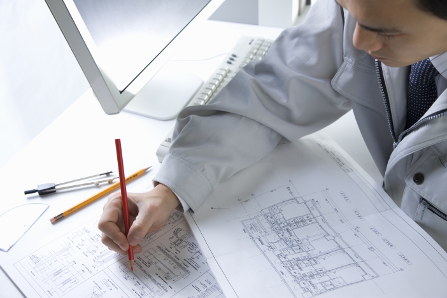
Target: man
x: 385, y: 59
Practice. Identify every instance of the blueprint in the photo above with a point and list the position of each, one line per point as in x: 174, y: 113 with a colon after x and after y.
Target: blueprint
x: 307, y: 222
x: 79, y: 265
x: 311, y: 244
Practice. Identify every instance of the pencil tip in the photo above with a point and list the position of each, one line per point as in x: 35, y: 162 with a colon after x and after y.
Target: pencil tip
x: 147, y: 168
x: 131, y: 264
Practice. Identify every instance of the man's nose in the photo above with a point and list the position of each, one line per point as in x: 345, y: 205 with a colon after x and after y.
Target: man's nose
x: 366, y: 40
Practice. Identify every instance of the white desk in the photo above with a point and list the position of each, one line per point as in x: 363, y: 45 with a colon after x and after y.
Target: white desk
x: 81, y: 142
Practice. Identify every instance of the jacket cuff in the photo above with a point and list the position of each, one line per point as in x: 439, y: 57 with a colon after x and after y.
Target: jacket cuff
x: 184, y: 179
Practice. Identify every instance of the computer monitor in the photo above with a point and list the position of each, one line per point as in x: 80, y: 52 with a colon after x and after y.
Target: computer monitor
x: 122, y: 44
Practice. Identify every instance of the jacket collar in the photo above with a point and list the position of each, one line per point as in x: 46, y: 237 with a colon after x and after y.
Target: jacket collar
x: 396, y: 80
x: 440, y: 63
x: 428, y: 134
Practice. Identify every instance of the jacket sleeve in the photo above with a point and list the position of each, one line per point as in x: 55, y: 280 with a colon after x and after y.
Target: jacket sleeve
x: 287, y: 94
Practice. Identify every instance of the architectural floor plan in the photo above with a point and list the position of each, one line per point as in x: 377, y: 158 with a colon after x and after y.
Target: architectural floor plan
x: 311, y: 245
x: 303, y: 222
x: 307, y: 222
x: 79, y: 265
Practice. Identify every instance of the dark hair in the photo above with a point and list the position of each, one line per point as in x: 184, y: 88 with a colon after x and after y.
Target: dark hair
x: 437, y: 8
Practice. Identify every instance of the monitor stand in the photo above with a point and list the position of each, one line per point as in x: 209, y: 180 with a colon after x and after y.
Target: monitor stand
x: 165, y: 95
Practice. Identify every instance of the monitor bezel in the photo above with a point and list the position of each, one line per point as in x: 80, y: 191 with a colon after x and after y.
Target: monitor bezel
x: 83, y: 47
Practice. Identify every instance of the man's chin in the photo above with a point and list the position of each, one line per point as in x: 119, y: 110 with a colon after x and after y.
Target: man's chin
x: 387, y: 61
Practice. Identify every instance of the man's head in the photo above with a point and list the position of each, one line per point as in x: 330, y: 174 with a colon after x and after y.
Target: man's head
x: 399, y: 32
x: 437, y: 8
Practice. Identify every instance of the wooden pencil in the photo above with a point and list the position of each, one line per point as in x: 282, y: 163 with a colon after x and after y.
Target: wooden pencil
x: 96, y: 196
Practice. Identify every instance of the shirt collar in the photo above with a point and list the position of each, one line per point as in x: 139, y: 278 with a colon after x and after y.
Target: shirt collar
x: 440, y: 63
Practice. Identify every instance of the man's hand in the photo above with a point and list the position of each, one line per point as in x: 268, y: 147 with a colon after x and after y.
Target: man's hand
x: 148, y: 212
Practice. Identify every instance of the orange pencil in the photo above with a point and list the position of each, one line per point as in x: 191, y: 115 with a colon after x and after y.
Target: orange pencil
x: 119, y: 157
x: 97, y: 196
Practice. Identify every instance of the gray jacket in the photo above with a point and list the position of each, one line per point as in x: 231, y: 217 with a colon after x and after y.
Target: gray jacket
x: 311, y: 76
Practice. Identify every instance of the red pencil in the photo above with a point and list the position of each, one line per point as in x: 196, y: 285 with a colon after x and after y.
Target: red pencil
x: 119, y: 157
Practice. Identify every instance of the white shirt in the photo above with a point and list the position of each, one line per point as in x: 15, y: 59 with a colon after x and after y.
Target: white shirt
x: 440, y: 63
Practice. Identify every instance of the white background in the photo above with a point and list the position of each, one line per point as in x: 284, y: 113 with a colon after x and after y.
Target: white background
x: 40, y: 77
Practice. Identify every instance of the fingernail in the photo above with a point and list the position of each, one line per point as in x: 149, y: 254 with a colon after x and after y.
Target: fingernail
x: 122, y: 246
x: 133, y: 240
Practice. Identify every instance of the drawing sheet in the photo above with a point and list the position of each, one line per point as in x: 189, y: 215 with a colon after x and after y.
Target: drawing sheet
x: 76, y: 264
x: 306, y: 221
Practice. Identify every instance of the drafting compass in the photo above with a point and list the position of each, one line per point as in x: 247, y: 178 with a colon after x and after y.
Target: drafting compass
x: 48, y: 188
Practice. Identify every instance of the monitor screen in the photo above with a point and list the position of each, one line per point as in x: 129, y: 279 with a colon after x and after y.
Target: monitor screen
x: 130, y: 34
x: 122, y: 44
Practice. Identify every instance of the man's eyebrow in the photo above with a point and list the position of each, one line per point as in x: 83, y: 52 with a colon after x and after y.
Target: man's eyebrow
x: 381, y: 30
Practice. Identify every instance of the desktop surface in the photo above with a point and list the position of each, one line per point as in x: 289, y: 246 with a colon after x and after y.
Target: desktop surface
x: 81, y: 142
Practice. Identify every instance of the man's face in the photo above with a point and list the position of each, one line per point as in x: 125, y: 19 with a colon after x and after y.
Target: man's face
x: 396, y: 32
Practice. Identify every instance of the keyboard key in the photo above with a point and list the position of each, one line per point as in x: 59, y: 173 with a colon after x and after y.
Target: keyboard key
x: 211, y: 87
x: 215, y: 82
x: 219, y: 78
x: 204, y: 97
x: 222, y: 72
x: 253, y: 51
x: 199, y: 102
x: 207, y: 92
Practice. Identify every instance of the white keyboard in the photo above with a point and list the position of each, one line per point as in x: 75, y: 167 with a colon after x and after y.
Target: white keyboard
x: 247, y: 49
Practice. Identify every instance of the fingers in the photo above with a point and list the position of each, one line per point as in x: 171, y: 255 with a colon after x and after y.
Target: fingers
x: 108, y: 224
x: 148, y: 212
x: 142, y: 223
x: 151, y: 211
x: 111, y: 224
x: 154, y: 209
x: 112, y: 245
x: 112, y: 198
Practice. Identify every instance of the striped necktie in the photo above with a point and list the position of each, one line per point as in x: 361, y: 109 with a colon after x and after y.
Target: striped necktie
x: 422, y: 91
